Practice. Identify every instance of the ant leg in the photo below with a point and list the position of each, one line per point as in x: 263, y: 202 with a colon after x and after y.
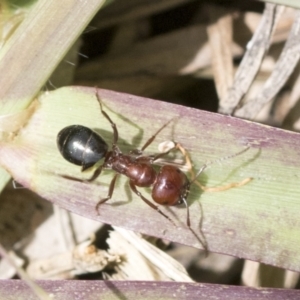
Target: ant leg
x: 133, y: 188
x: 113, y: 125
x: 160, y: 155
x: 211, y: 189
x: 151, y: 158
x: 110, y: 192
x: 151, y: 139
x: 95, y: 175
x: 188, y: 222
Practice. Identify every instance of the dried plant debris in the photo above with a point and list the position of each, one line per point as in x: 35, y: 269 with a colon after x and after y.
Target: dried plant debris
x: 84, y: 258
x: 252, y: 59
x: 143, y: 260
x: 282, y: 71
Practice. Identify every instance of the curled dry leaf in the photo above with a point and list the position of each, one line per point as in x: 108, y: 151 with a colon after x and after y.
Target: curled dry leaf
x: 84, y: 258
x: 258, y: 221
x: 142, y: 260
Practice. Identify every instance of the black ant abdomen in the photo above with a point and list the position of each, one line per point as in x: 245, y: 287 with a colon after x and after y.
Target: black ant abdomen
x: 81, y: 146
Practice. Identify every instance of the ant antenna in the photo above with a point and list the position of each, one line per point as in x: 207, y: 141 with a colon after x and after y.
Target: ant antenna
x: 209, y: 163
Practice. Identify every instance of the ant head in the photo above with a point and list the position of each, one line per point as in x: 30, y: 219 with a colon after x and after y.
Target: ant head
x: 81, y: 146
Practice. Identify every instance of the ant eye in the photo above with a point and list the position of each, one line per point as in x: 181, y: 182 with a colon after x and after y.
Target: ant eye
x: 81, y: 146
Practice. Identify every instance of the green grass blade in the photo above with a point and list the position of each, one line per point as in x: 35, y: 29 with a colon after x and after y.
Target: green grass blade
x: 259, y: 221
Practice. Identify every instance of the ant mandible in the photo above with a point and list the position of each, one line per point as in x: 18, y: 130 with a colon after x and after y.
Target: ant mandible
x: 170, y: 186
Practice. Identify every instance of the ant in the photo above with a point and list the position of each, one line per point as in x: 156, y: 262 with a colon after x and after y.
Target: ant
x: 170, y: 186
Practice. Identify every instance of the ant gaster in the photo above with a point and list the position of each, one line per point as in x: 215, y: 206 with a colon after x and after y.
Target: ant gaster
x: 170, y: 186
